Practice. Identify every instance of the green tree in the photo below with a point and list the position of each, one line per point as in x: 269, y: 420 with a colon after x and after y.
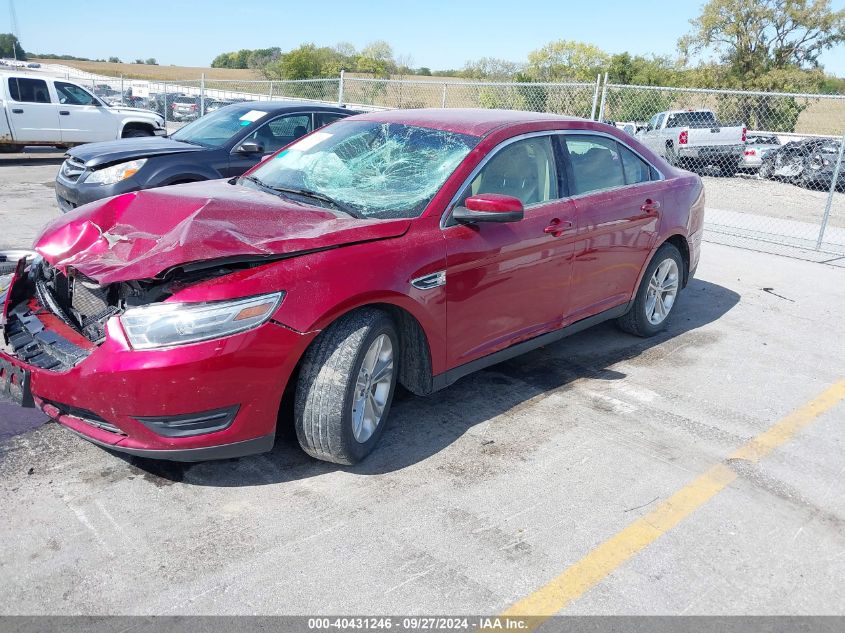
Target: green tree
x: 755, y: 37
x: 491, y: 69
x: 770, y: 45
x: 376, y: 59
x: 151, y: 61
x: 10, y: 47
x: 115, y: 60
x: 566, y: 60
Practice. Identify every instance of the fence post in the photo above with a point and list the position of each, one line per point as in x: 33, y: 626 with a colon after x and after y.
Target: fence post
x: 443, y: 98
x: 833, y: 183
x: 202, y: 94
x: 122, y: 93
x: 595, y: 98
x: 164, y: 106
x: 603, y: 99
x: 340, y: 89
x: 271, y: 90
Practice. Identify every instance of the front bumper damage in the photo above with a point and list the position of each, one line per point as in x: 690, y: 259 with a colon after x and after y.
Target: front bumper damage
x: 211, y: 400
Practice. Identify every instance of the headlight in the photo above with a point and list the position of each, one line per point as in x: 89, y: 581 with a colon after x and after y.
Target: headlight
x: 167, y: 324
x: 116, y: 173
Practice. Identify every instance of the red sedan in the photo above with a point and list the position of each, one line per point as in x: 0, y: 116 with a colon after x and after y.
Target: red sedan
x: 403, y: 246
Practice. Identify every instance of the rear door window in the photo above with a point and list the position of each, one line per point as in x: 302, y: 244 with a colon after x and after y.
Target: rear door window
x: 596, y: 163
x: 324, y: 118
x: 28, y: 90
x: 279, y: 132
x: 634, y: 168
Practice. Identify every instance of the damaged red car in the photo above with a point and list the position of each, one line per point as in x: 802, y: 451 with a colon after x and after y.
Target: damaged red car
x: 409, y: 247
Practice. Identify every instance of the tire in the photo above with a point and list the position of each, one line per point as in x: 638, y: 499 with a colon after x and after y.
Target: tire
x: 765, y: 170
x: 135, y: 132
x: 329, y: 389
x: 671, y: 155
x: 638, y: 319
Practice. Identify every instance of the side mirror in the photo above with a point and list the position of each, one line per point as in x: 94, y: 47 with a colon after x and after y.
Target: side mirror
x: 489, y: 207
x: 250, y: 147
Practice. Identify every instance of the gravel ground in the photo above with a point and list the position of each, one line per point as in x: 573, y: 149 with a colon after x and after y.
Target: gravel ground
x: 772, y: 198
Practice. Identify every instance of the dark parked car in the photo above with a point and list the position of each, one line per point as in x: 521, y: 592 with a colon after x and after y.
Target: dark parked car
x: 222, y: 144
x: 161, y: 102
x: 186, y: 108
x: 809, y: 163
x: 403, y: 246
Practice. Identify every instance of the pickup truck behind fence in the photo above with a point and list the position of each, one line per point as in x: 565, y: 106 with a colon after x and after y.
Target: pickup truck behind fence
x: 48, y: 111
x: 695, y: 139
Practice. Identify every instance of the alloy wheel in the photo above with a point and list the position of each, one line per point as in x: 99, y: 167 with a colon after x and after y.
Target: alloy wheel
x: 372, y: 388
x: 662, y: 291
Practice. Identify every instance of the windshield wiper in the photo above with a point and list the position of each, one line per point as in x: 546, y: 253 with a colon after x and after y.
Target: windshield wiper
x: 307, y: 193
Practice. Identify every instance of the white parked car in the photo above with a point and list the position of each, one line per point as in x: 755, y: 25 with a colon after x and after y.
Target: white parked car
x: 49, y: 111
x: 695, y: 138
x: 756, y: 148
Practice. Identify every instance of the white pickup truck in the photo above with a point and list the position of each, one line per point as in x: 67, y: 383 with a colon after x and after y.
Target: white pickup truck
x: 694, y: 138
x: 50, y: 111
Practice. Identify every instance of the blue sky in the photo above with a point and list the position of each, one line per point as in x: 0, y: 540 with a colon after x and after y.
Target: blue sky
x: 435, y: 33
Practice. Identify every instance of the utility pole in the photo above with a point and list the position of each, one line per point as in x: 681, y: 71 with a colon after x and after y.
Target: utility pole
x: 14, y: 20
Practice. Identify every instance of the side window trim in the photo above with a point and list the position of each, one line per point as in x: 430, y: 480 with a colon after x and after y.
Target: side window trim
x: 445, y: 218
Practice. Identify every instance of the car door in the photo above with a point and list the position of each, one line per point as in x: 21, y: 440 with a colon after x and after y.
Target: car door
x: 617, y: 198
x: 82, y: 116
x: 33, y: 113
x: 272, y: 136
x: 509, y: 282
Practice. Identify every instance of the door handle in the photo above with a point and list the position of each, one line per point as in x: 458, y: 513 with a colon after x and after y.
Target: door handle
x: 17, y: 111
x: 556, y: 227
x: 64, y: 112
x: 650, y: 206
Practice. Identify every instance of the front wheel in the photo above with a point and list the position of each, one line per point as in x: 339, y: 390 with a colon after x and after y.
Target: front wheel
x: 656, y: 295
x: 345, y: 387
x: 136, y: 133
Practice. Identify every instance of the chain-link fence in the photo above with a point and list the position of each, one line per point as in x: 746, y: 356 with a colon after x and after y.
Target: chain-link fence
x: 767, y: 159
x: 771, y: 162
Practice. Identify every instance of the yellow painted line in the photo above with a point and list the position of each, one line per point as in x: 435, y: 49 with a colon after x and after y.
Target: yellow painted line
x: 601, y: 561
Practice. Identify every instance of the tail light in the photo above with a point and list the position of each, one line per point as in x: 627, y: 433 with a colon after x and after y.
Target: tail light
x: 193, y: 106
x: 744, y: 131
x: 683, y: 138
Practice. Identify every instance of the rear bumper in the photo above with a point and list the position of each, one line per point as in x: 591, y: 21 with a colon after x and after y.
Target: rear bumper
x: 713, y: 152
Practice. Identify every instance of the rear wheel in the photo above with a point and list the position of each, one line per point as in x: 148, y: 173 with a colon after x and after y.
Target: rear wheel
x: 671, y: 155
x: 345, y: 387
x: 657, y: 293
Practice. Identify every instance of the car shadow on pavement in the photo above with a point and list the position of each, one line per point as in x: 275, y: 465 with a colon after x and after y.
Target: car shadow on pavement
x: 420, y: 427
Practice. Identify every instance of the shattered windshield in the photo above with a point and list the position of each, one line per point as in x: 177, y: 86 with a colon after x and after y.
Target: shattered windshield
x: 213, y: 130
x: 383, y: 170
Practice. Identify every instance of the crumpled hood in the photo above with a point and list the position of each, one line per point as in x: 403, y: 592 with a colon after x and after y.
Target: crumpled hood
x: 139, y: 235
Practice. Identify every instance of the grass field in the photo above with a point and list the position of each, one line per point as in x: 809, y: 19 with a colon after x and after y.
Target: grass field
x: 820, y: 116
x: 154, y: 73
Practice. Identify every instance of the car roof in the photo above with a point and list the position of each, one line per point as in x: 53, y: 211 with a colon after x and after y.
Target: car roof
x: 275, y: 107
x: 472, y: 121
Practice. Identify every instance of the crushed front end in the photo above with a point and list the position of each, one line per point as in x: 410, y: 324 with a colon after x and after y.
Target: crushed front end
x: 66, y: 352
